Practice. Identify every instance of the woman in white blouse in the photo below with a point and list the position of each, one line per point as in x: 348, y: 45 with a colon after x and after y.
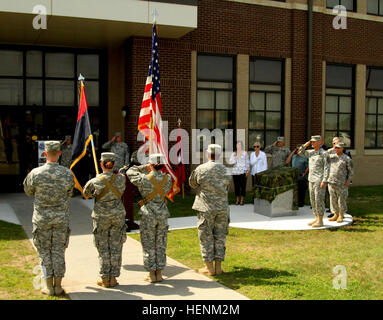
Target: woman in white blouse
x: 258, y: 160
x: 241, y: 168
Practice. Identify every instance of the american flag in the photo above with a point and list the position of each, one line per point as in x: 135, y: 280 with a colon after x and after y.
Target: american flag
x: 151, y: 110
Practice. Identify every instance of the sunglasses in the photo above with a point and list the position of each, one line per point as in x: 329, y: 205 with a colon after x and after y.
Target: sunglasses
x: 256, y: 146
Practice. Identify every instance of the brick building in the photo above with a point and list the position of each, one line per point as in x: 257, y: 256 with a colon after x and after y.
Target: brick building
x: 229, y: 64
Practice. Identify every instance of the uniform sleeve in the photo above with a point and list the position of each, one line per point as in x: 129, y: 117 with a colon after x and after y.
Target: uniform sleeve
x: 71, y: 185
x: 350, y: 169
x: 136, y: 174
x: 303, y: 152
x: 193, y: 180
x: 29, y: 188
x: 326, y: 169
x: 269, y: 149
x: 169, y: 184
x: 127, y: 156
x: 89, y: 189
x: 107, y: 145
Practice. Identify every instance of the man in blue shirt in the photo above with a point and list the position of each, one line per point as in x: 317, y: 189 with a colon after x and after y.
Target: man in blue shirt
x: 301, y: 163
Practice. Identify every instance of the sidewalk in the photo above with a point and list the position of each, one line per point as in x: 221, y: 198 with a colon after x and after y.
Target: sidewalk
x: 181, y: 283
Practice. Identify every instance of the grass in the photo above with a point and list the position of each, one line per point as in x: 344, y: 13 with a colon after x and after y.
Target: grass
x: 299, y: 265
x: 17, y: 261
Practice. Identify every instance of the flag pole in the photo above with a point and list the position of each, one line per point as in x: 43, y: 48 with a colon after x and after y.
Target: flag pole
x: 183, y: 184
x: 81, y: 79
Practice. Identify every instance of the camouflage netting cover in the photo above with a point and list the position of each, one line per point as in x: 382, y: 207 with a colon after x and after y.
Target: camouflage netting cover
x: 268, y: 184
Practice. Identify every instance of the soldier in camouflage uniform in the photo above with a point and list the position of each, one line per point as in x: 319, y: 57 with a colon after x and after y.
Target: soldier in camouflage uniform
x: 278, y: 152
x: 108, y: 215
x: 120, y: 149
x: 319, y: 170
x: 66, y: 149
x: 341, y: 172
x: 212, y: 180
x: 153, y: 185
x: 51, y: 185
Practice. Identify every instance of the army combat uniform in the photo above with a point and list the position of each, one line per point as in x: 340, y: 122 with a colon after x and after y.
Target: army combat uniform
x: 52, y: 186
x: 108, y: 215
x: 66, y: 157
x: 153, y: 186
x: 341, y: 172
x: 319, y: 169
x: 279, y: 155
x: 212, y: 181
x: 121, y: 150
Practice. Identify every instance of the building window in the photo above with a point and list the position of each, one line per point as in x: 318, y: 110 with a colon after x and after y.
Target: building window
x: 266, y: 114
x: 350, y: 5
x: 375, y: 7
x: 215, y: 92
x: 374, y: 109
x: 339, y: 114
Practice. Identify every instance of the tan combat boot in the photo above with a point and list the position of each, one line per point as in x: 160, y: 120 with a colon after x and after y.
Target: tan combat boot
x: 103, y: 282
x: 48, y: 287
x: 209, y: 269
x: 334, y: 218
x: 57, y: 284
x: 159, y: 276
x: 319, y: 223
x: 340, y: 218
x: 314, y: 221
x: 151, y: 276
x: 218, y: 269
x: 113, y: 282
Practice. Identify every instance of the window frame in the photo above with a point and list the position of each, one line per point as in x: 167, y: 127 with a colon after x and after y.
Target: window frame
x: 376, y: 114
x: 282, y: 92
x: 232, y: 90
x: 72, y: 110
x: 352, y: 95
x: 339, y: 3
x: 375, y: 14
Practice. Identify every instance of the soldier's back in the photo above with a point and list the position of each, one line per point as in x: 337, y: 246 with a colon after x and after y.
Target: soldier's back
x: 214, y: 180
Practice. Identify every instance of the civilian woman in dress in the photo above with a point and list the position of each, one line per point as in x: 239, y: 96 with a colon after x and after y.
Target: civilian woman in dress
x: 241, y: 168
x: 258, y: 161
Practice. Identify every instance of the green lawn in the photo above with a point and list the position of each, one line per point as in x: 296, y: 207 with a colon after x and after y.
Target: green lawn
x: 299, y: 264
x: 17, y: 261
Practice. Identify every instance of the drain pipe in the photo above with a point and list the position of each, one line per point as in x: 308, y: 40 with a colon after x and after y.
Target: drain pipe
x: 309, y: 66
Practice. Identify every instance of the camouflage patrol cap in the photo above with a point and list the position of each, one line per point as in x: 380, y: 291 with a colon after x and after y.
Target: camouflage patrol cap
x: 52, y: 146
x: 156, y: 158
x: 117, y: 134
x: 108, y: 156
x: 281, y: 139
x: 68, y: 137
x: 214, y: 149
x: 340, y: 145
x: 315, y: 138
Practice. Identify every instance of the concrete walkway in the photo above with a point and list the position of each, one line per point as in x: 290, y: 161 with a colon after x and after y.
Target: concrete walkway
x: 181, y: 283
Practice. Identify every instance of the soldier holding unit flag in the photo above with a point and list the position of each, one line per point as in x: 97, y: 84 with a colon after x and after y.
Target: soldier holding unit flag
x: 108, y: 219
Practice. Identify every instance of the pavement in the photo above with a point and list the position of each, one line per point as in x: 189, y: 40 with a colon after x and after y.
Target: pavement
x: 181, y: 282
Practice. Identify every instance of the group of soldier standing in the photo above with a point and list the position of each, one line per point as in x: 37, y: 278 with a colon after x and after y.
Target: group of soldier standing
x: 52, y: 186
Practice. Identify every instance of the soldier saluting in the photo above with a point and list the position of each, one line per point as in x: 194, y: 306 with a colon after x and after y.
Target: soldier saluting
x: 52, y: 186
x: 319, y: 169
x: 153, y: 185
x: 108, y: 215
x: 212, y: 181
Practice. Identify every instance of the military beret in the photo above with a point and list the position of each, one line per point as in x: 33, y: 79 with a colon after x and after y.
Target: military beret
x: 68, y: 137
x: 340, y: 145
x: 280, y: 139
x: 156, y: 158
x: 315, y: 138
x: 51, y: 146
x: 108, y: 156
x: 214, y: 149
x: 117, y: 134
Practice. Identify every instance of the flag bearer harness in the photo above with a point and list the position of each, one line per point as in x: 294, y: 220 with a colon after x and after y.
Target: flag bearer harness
x: 158, y: 189
x: 108, y: 187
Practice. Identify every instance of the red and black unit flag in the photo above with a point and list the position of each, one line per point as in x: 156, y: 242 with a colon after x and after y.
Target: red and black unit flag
x: 150, y: 119
x: 81, y: 143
